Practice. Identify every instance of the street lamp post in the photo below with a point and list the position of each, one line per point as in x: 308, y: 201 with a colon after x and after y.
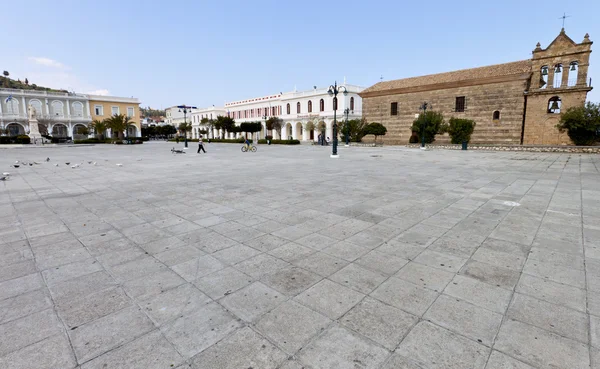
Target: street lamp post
x: 423, y: 107
x: 185, y: 109
x: 347, y: 111
x: 333, y: 91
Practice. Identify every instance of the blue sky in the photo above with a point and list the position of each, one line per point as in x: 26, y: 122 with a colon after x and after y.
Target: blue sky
x: 208, y: 52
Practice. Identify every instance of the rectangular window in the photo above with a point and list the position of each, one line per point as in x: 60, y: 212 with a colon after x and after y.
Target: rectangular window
x: 394, y: 108
x: 130, y: 111
x: 115, y: 110
x: 99, y: 109
x: 460, y: 104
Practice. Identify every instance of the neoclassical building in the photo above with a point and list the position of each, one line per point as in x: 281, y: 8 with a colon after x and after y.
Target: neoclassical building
x: 295, y: 108
x: 511, y: 103
x: 64, y: 114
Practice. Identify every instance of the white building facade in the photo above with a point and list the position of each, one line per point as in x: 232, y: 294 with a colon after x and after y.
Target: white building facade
x: 64, y: 114
x: 175, y: 116
x: 206, y: 113
x: 297, y: 109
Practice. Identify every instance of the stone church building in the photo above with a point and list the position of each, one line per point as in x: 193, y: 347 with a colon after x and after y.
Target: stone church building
x: 512, y: 103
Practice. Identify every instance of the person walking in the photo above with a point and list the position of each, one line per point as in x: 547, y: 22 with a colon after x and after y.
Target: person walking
x: 200, y: 145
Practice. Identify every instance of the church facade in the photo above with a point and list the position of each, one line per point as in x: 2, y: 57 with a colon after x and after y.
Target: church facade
x: 512, y: 103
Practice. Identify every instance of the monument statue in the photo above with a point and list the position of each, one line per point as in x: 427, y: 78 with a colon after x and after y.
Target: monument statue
x: 34, y: 129
x: 32, y: 112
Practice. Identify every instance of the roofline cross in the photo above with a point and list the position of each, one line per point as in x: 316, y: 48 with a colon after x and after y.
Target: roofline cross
x: 565, y: 16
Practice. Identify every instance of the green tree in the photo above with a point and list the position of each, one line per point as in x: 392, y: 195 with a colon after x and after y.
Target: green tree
x: 582, y: 124
x: 355, y: 129
x: 250, y: 127
x: 434, y: 124
x: 166, y: 130
x: 375, y: 129
x: 225, y: 123
x: 117, y: 124
x: 184, y: 128
x: 274, y: 124
x: 460, y: 130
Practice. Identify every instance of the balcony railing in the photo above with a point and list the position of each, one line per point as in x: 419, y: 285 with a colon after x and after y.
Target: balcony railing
x: 16, y: 92
x: 7, y: 116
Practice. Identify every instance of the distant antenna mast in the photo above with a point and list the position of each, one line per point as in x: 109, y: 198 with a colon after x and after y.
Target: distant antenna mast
x: 565, y: 16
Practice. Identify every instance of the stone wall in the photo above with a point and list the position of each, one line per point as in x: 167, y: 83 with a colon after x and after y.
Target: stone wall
x: 528, y: 148
x: 481, y: 102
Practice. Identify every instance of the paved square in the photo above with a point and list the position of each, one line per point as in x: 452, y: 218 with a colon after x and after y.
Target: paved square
x: 384, y: 258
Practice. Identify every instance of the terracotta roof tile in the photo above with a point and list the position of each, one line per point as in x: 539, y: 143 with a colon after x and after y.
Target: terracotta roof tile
x: 498, y: 70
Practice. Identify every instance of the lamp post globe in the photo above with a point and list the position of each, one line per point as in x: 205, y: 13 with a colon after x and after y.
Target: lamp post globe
x: 333, y: 91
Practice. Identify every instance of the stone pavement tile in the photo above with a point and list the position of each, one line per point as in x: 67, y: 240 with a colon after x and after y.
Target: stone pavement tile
x: 25, y: 304
x: 243, y: 349
x: 506, y: 247
x: 400, y: 249
x: 151, y: 235
x: 52, y: 352
x: 240, y: 233
x: 73, y: 270
x: 556, y: 293
x: 14, y: 257
x: 111, y: 246
x: 235, y: 254
x: 84, y: 309
x: 405, y: 295
x: 384, y: 263
x: 329, y: 298
x: 17, y: 286
x: 17, y: 270
x: 465, y: 319
x: 382, y: 323
x: 479, y: 293
x: 51, y: 239
x: 554, y: 318
x: 80, y: 229
x: 265, y: 243
x: 25, y: 331
x: 198, y: 267
x: 291, y: 325
x: 208, y: 221
x: 595, y: 331
x: 181, y: 227
x: 292, y: 233
x: 252, y: 301
x: 137, y: 229
x: 595, y: 357
x: 223, y: 282
x: 339, y: 348
x: 371, y: 218
x: 540, y: 348
x: 291, y: 280
x: 81, y: 286
x: 358, y: 278
x: 321, y: 263
x: 261, y: 265
x: 207, y: 241
x: 317, y: 241
x: 346, y: 250
x: 152, y: 284
x: 421, y: 235
x: 150, y: 351
x: 291, y: 364
x: 174, y: 303
x: 372, y: 237
x: 500, y: 259
x: 461, y: 244
x: 433, y: 347
x: 572, y: 277
x: 49, y: 260
x: 161, y: 245
x: 269, y: 226
x: 136, y: 268
x: 291, y: 252
x: 570, y: 261
x: 122, y: 256
x: 397, y: 361
x: 425, y: 276
x: 500, y: 361
x: 593, y: 302
x: 100, y: 238
x: 178, y: 255
x: 440, y: 260
x: 494, y: 275
x: 191, y: 334
x: 345, y: 229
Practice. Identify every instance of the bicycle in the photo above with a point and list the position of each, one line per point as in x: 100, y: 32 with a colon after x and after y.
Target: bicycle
x: 249, y: 147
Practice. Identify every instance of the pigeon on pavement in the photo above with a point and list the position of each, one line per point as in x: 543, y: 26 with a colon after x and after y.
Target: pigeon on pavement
x: 119, y: 165
x: 47, y: 159
x: 2, y: 178
x: 6, y: 174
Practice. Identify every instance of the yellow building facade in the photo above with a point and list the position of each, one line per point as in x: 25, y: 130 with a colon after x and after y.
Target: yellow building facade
x: 102, y: 107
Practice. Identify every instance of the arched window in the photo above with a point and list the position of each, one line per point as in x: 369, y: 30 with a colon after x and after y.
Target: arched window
x: 309, y: 106
x: 558, y: 73
x: 496, y: 115
x: 554, y: 105
x: 37, y: 105
x: 288, y: 109
x: 573, y: 73
x: 322, y: 105
x: 77, y: 109
x: 57, y: 108
x: 298, y: 107
x: 544, y: 77
x: 12, y: 106
x: 335, y: 105
x: 352, y: 103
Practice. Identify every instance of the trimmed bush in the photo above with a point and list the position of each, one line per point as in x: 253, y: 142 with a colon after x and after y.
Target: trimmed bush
x: 434, y: 124
x: 281, y: 142
x: 460, y: 130
x: 5, y: 140
x: 23, y: 139
x: 582, y: 124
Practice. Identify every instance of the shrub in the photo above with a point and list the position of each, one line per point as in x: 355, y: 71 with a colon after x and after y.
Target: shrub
x: 414, y: 138
x: 22, y: 139
x: 118, y: 142
x: 281, y: 142
x: 145, y: 138
x: 582, y: 124
x: 5, y: 140
x: 375, y: 129
x: 268, y: 137
x: 460, y: 130
x: 434, y: 124
x: 88, y: 141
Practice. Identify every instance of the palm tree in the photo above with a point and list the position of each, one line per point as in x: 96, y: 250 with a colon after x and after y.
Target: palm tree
x: 99, y: 127
x: 184, y: 128
x: 128, y: 122
x: 117, y: 123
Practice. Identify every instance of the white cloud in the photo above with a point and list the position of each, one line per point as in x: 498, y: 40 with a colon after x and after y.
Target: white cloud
x: 103, y: 92
x: 47, y: 62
